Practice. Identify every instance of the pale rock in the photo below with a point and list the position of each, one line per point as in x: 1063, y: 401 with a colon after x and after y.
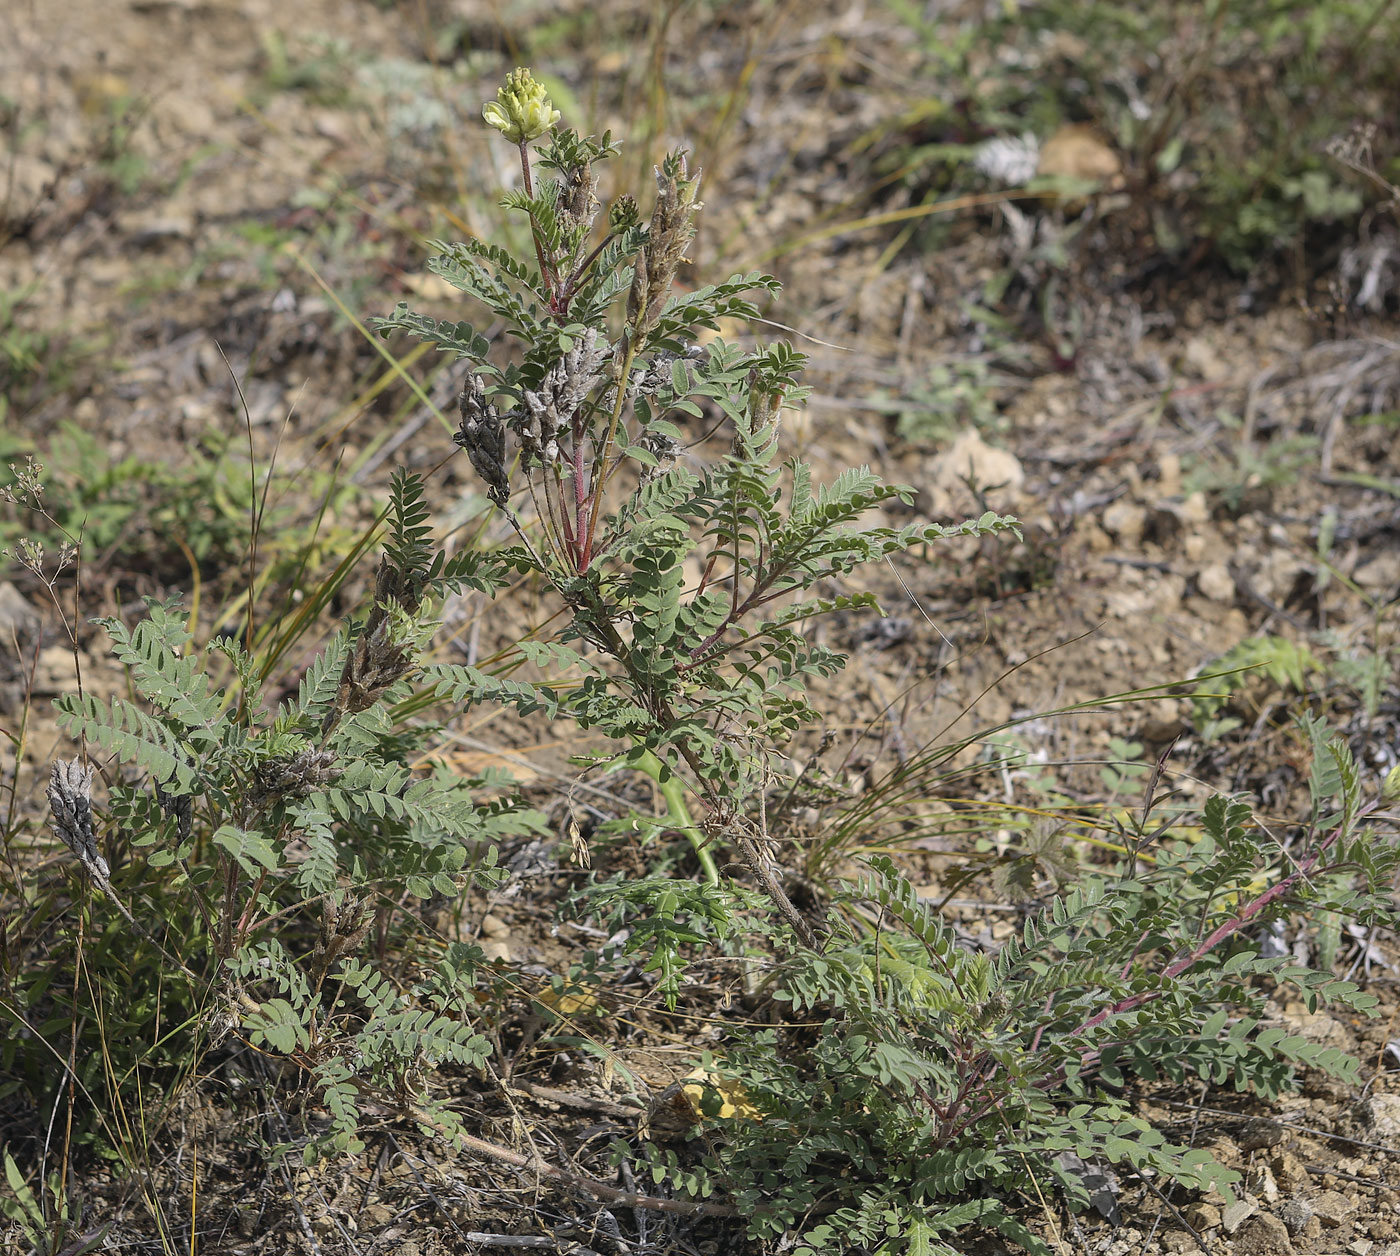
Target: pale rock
x: 54, y: 672
x: 1279, y: 573
x: 1195, y: 511
x: 1205, y: 360
x: 1129, y: 604
x: 1126, y: 520
x: 332, y: 124
x: 996, y: 473
x: 146, y: 228
x: 494, y: 927
x: 1179, y: 1241
x: 1235, y: 1215
x: 1194, y: 546
x: 1127, y: 1242
x: 1095, y: 538
x: 30, y: 178
x: 1314, y: 1026
x: 496, y: 949
x: 1382, y: 574
x: 1168, y: 592
x: 20, y: 623
x: 1203, y: 1216
x: 1169, y: 475
x: 1080, y: 153
x: 1382, y: 1113
x: 1333, y: 1208
x: 1187, y: 516
x: 1216, y: 583
x: 187, y: 113
x: 1262, y: 1183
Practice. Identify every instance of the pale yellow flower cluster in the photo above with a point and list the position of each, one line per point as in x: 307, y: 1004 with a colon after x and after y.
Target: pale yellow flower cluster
x: 522, y: 110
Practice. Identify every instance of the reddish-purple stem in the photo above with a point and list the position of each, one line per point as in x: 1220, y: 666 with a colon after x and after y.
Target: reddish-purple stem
x: 583, y: 541
x: 1217, y: 935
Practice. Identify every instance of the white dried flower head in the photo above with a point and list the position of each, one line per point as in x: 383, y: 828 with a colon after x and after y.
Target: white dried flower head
x: 29, y: 554
x: 550, y: 410
x: 1008, y: 159
x: 28, y: 486
x: 70, y: 803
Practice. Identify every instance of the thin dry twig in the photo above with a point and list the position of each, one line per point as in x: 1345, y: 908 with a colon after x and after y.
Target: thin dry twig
x: 577, y: 1181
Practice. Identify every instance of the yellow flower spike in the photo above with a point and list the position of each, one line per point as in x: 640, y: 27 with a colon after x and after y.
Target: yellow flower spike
x: 522, y: 110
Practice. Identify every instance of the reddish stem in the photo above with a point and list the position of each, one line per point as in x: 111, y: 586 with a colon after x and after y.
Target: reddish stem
x: 584, y: 542
x: 1219, y: 934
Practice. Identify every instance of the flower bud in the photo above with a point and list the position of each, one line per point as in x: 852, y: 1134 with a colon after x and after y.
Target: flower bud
x: 522, y: 110
x: 623, y: 213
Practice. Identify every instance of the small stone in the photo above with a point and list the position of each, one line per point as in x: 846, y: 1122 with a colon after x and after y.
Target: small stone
x: 1216, y: 583
x: 1381, y: 574
x: 144, y: 229
x: 1361, y: 1247
x: 996, y: 474
x: 1260, y: 1134
x: 1202, y: 357
x: 1203, y: 1216
x: 1180, y: 1241
x: 30, y: 179
x: 1265, y: 1235
x: 1126, y: 520
x: 1194, y: 511
x: 1095, y: 538
x: 1333, y: 1208
x: 496, y: 949
x: 1236, y: 1214
x: 1382, y: 1114
x: 494, y: 927
x: 19, y: 621
x: 1169, y: 474
x: 1289, y: 1171
x: 1262, y: 1183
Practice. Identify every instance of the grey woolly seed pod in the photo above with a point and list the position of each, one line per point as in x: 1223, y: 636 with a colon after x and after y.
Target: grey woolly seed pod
x: 70, y: 803
x: 483, y: 436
